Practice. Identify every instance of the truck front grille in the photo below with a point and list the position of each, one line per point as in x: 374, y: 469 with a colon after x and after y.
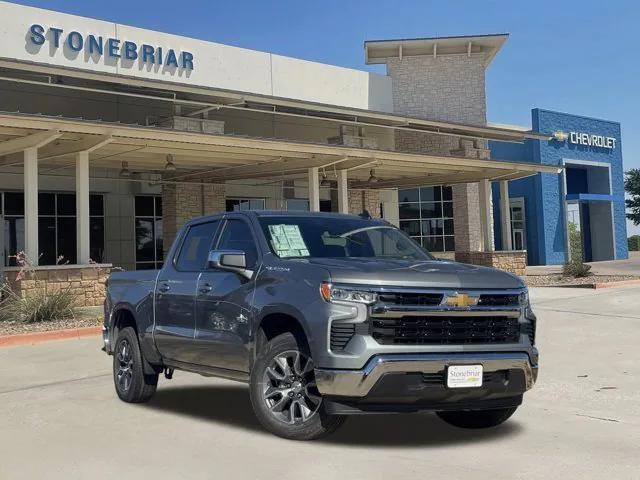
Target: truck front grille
x: 445, y: 330
x: 410, y: 298
x: 499, y: 300
x: 341, y: 333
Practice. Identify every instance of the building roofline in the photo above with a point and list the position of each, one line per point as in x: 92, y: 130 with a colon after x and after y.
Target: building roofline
x: 488, y: 45
x: 586, y: 117
x: 453, y: 37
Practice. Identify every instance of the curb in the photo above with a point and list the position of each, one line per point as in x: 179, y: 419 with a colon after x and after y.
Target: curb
x: 592, y: 286
x: 620, y: 283
x: 40, y: 337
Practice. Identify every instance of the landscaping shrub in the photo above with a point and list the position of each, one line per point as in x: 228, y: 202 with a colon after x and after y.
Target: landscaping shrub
x: 634, y: 243
x: 576, y: 269
x: 38, y: 306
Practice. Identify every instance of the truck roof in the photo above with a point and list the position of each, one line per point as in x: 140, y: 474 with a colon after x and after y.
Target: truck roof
x: 281, y: 213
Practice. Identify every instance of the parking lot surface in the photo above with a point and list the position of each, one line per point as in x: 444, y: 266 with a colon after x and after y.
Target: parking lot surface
x: 62, y: 419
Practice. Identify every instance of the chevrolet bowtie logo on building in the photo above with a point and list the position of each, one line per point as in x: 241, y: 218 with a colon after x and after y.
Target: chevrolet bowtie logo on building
x: 560, y: 136
x: 460, y: 300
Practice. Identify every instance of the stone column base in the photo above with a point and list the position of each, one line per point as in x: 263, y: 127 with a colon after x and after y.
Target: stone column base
x: 513, y: 261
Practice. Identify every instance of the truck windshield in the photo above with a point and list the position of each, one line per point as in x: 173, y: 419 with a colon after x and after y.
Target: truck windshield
x: 332, y: 237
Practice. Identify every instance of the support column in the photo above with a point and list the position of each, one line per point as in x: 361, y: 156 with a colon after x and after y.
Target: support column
x: 343, y: 192
x: 486, y: 218
x: 82, y: 208
x: 505, y: 215
x: 314, y: 190
x: 31, y: 204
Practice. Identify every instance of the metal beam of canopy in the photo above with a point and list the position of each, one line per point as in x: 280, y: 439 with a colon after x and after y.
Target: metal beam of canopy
x: 396, y: 165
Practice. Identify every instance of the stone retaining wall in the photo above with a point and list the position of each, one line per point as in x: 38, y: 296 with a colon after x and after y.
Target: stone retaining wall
x: 514, y: 261
x: 86, y: 282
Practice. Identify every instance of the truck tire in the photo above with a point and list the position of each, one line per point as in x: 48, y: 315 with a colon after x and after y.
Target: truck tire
x: 132, y: 384
x: 476, y: 419
x: 283, y: 392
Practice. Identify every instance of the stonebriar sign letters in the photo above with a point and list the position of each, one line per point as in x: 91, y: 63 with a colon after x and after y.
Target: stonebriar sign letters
x: 112, y: 48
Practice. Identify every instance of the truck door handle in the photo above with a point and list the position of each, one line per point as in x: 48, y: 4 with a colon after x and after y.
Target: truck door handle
x: 164, y: 287
x: 206, y: 288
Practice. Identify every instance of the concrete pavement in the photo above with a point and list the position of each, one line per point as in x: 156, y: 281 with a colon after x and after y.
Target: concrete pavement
x: 62, y: 419
x: 630, y: 266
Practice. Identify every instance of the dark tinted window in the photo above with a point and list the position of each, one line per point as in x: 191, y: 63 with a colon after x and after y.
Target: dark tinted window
x: 46, y: 204
x: 66, y: 235
x: 66, y: 204
x: 144, y: 206
x: 144, y: 240
x: 410, y: 195
x: 158, y: 202
x: 96, y: 239
x: 196, y: 246
x: 47, y: 240
x: 96, y: 205
x: 13, y: 203
x: 237, y: 236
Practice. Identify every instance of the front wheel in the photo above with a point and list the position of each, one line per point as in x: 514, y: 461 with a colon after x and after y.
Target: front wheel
x: 283, y: 392
x: 477, y: 418
x: 132, y: 384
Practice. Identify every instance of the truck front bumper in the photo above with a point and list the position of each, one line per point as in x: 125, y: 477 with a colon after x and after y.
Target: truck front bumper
x: 401, y: 382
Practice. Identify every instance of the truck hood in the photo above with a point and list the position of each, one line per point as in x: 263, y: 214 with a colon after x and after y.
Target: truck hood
x: 424, y: 274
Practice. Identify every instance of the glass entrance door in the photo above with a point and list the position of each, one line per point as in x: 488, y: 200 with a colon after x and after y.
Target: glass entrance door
x: 518, y: 227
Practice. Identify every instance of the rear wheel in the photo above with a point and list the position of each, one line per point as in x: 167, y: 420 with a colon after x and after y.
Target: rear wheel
x: 132, y: 384
x: 477, y: 418
x: 284, y: 394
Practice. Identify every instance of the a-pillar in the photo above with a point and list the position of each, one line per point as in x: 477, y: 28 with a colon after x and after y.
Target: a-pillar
x: 486, y: 217
x: 505, y: 215
x: 82, y: 208
x: 314, y: 190
x: 343, y: 192
x: 31, y: 248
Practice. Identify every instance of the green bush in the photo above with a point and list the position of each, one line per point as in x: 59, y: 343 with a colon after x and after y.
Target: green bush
x: 634, y: 243
x: 576, y: 269
x: 38, y: 306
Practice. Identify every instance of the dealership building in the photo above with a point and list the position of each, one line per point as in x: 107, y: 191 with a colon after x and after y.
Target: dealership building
x: 112, y: 136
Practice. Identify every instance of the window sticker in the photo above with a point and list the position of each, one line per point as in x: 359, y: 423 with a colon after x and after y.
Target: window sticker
x: 287, y: 241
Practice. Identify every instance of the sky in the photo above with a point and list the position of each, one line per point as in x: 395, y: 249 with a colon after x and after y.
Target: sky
x: 580, y: 57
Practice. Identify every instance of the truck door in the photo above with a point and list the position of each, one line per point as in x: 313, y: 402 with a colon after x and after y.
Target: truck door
x: 175, y: 293
x: 223, y: 304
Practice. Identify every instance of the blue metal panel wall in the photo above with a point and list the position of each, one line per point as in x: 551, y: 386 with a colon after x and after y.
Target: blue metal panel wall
x: 546, y: 229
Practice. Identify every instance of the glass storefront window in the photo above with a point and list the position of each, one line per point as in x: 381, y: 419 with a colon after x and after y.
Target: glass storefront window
x: 426, y: 214
x: 148, y: 230
x: 238, y: 204
x: 56, y: 227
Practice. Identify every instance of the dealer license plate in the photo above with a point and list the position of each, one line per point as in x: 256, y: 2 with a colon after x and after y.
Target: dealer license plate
x: 464, y: 376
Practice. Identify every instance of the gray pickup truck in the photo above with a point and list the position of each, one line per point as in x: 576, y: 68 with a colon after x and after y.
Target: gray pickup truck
x: 324, y: 316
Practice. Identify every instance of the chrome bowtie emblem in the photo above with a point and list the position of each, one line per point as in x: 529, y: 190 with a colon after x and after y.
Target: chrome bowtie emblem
x: 460, y: 300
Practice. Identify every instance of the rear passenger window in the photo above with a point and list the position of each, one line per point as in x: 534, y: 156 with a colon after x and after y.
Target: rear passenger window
x: 237, y: 236
x: 196, y: 246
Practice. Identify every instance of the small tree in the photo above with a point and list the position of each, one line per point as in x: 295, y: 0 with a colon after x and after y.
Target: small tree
x: 575, y: 267
x: 575, y: 243
x: 632, y: 187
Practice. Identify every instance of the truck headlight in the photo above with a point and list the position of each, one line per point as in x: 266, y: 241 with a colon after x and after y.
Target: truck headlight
x: 332, y: 293
x: 524, y: 299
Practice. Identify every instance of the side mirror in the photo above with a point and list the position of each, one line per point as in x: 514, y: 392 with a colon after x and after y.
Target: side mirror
x: 231, y: 260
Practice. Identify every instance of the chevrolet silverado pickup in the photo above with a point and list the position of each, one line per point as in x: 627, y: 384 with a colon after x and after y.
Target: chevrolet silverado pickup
x: 324, y: 316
